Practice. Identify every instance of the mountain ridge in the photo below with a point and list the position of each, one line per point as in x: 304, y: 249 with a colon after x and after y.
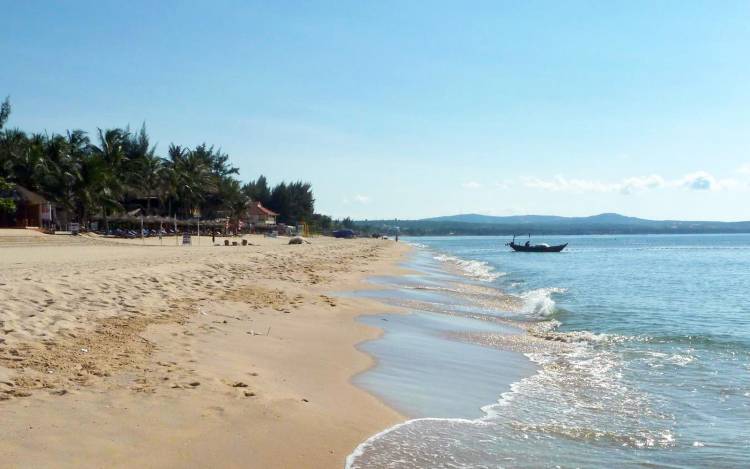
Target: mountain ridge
x: 603, y: 223
x: 608, y: 217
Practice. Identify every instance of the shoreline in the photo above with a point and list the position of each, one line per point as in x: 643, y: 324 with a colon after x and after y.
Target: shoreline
x: 611, y: 370
x: 425, y: 361
x: 204, y: 387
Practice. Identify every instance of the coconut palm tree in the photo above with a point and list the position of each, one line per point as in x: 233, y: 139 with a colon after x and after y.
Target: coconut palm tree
x: 78, y: 175
x: 192, y: 177
x: 111, y: 156
x: 150, y: 176
x: 86, y: 178
x: 87, y: 188
x: 233, y: 199
x: 22, y: 157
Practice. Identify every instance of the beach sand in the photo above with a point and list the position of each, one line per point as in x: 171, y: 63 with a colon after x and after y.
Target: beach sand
x: 116, y: 354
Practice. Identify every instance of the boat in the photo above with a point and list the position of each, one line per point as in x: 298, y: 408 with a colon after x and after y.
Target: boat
x: 526, y: 247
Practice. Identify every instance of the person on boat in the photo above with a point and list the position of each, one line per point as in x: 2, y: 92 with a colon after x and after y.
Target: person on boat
x: 527, y: 243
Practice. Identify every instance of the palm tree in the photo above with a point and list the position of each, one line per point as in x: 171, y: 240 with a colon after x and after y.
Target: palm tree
x: 150, y: 169
x: 142, y: 167
x: 13, y: 144
x: 110, y: 154
x: 84, y: 178
x: 79, y: 175
x: 91, y: 178
x: 192, y: 178
x: 234, y: 201
x: 57, y: 173
x: 23, y: 157
x: 170, y: 183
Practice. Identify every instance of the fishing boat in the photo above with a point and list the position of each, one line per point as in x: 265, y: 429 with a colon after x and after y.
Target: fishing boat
x: 528, y: 247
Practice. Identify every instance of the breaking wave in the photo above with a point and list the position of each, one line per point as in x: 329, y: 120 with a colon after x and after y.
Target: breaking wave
x: 539, y: 303
x: 635, y: 383
x: 415, y: 244
x: 579, y: 380
x: 479, y: 270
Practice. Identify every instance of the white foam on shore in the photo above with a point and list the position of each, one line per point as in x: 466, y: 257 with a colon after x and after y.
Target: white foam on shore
x: 416, y: 245
x: 479, y: 270
x: 579, y: 379
x: 360, y: 449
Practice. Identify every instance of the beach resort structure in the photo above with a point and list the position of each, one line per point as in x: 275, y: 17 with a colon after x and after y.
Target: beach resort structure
x: 32, y: 210
x: 259, y: 216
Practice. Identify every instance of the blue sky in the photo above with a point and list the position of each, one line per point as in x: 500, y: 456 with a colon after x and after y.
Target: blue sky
x: 415, y: 109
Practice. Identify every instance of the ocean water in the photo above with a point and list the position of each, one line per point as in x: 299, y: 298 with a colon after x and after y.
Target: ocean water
x: 621, y: 351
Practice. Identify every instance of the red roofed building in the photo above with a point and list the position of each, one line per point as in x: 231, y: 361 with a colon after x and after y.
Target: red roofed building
x: 259, y: 215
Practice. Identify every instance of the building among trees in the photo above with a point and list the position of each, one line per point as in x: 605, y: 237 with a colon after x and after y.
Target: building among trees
x: 29, y: 209
x: 74, y: 178
x: 259, y: 216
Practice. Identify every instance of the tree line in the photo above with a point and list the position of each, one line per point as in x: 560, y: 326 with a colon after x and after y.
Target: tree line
x: 119, y: 169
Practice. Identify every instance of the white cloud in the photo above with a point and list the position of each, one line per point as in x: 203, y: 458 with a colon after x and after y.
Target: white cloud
x: 641, y: 183
x: 504, y: 185
x: 357, y: 199
x: 471, y: 185
x: 699, y: 180
x: 703, y: 181
x: 562, y: 184
x: 744, y: 169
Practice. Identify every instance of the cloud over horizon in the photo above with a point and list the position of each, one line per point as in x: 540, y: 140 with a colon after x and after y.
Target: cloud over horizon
x: 358, y: 199
x: 697, y: 181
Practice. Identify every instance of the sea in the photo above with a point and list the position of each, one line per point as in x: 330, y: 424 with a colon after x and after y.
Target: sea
x: 620, y: 351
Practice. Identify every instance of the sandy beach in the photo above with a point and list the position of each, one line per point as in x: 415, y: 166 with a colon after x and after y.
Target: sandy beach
x: 114, y: 353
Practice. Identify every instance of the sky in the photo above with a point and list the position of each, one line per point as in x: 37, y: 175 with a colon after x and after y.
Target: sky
x: 414, y: 109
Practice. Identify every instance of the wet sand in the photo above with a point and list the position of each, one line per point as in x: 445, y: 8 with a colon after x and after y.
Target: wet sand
x: 430, y: 363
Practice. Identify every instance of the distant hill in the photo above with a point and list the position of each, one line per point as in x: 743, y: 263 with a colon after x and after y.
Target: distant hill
x: 605, y: 223
x: 476, y: 218
x: 530, y: 219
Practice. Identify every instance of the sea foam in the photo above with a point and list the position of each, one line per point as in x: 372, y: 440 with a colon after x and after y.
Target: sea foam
x: 479, y: 270
x: 539, y: 303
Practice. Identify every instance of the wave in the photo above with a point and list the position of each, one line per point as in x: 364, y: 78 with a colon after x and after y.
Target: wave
x: 359, y: 451
x: 539, y: 303
x: 704, y: 341
x: 547, y: 330
x: 479, y: 270
x: 591, y: 398
x: 577, y: 382
x: 416, y: 245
